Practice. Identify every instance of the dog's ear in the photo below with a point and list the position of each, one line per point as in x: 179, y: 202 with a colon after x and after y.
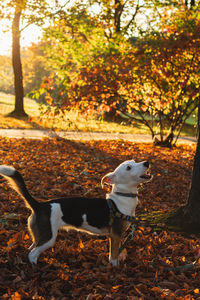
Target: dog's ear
x: 108, y: 179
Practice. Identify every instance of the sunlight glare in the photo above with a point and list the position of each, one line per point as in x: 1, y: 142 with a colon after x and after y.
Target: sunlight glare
x: 30, y: 35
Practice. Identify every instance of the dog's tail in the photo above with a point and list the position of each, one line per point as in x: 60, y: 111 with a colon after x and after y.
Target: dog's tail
x: 16, y: 181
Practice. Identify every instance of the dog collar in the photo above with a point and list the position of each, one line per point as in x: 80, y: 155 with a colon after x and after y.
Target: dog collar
x: 129, y: 195
x: 115, y: 213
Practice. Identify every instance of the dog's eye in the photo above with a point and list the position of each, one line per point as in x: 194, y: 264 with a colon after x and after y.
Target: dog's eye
x: 128, y: 168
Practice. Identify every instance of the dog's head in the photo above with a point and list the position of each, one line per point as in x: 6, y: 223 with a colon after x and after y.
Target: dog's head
x: 128, y: 174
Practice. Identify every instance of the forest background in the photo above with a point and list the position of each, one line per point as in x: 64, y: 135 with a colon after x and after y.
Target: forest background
x: 128, y: 61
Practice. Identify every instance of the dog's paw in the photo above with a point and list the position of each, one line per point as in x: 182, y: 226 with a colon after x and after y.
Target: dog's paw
x: 32, y: 257
x: 114, y: 262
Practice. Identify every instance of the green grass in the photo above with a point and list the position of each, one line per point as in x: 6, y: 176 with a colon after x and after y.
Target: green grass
x: 71, y: 121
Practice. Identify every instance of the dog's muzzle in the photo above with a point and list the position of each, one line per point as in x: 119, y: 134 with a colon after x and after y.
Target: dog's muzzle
x: 146, y: 175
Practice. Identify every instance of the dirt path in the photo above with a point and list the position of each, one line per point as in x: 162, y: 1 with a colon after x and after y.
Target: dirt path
x: 39, y: 134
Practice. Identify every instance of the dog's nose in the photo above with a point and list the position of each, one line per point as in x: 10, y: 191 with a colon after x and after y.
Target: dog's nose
x: 146, y: 164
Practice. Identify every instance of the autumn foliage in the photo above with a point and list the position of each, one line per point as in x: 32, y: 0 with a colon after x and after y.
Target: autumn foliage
x: 153, y: 79
x: 77, y: 267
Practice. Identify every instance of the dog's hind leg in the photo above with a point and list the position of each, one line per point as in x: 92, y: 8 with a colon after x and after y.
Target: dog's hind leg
x: 35, y: 252
x: 43, y: 234
x: 43, y: 238
x: 43, y: 226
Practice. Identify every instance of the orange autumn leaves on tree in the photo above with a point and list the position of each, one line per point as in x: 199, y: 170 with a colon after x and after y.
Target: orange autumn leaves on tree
x: 156, y: 81
x: 153, y: 79
x: 171, y: 69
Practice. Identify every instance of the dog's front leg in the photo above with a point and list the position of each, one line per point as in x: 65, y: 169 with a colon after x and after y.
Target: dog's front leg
x: 115, y: 242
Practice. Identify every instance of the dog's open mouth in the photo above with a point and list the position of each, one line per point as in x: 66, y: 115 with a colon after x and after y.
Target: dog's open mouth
x: 146, y: 176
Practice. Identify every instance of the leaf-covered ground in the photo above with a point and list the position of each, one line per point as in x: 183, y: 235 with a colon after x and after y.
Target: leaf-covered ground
x: 77, y: 267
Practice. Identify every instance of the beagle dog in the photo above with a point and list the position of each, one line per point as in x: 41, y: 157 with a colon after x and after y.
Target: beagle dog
x: 91, y: 215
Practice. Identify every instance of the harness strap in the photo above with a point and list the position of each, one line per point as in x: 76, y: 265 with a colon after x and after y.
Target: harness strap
x: 116, y: 213
x: 128, y: 238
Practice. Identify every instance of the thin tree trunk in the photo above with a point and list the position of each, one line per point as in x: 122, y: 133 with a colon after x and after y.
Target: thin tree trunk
x: 17, y: 66
x: 188, y: 217
x: 117, y: 16
x: 194, y: 194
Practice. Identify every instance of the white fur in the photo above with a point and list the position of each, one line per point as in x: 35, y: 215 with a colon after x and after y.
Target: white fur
x: 126, y: 181
x: 56, y: 217
x: 35, y: 252
x: 125, y: 205
x: 113, y: 262
x: 56, y: 222
x: 7, y: 170
x: 123, y: 180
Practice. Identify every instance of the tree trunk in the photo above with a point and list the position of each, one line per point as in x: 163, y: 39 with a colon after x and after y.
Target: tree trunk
x: 17, y: 66
x: 117, y: 16
x: 167, y: 142
x: 188, y: 217
x: 192, y: 3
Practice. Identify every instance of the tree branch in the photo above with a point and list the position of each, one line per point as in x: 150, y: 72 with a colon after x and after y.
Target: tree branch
x: 50, y: 15
x: 133, y: 17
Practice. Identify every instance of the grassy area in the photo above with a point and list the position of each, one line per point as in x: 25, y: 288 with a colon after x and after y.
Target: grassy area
x: 7, y: 105
x: 71, y: 121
